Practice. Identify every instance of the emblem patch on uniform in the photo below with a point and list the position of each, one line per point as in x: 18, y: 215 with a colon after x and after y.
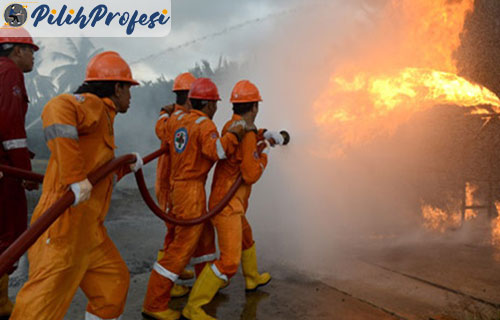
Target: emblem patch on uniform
x: 256, y: 155
x: 16, y: 91
x: 79, y: 97
x: 180, y: 140
x: 214, y: 135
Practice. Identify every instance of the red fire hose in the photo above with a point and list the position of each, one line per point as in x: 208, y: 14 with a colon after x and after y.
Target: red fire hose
x: 26, y: 240
x: 139, y: 177
x: 21, y: 174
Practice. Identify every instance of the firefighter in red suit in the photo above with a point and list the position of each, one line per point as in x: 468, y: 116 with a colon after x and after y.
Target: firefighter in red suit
x: 16, y: 58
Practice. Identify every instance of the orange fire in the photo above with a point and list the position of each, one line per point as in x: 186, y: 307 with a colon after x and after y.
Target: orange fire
x: 440, y: 220
x: 408, y: 67
x: 469, y: 201
x: 495, y: 228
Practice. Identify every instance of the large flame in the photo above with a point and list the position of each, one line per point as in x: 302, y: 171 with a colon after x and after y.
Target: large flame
x: 409, y: 67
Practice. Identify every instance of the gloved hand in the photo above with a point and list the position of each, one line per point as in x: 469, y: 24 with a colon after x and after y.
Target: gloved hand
x: 238, y: 128
x: 138, y: 163
x: 267, y: 148
x: 81, y: 190
x: 275, y: 136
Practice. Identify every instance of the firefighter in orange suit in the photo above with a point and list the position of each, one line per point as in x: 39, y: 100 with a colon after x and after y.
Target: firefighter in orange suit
x: 168, y: 117
x: 194, y: 146
x: 16, y: 58
x: 233, y: 230
x: 76, y: 250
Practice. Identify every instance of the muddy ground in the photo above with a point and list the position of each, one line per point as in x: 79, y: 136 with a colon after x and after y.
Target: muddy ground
x: 379, y: 278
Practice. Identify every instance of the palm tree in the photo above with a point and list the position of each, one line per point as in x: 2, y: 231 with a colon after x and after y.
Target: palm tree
x: 40, y: 88
x: 70, y: 75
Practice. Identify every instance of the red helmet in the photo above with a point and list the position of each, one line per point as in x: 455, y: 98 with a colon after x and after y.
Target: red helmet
x: 16, y: 36
x: 204, y: 89
x: 183, y: 81
x: 109, y: 66
x: 245, y: 91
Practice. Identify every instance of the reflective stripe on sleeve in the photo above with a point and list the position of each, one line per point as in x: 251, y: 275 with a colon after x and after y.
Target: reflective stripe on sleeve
x: 163, y: 116
x: 218, y: 273
x: 178, y: 112
x: 90, y: 316
x: 60, y: 131
x: 220, y: 150
x: 181, y: 116
x: 200, y: 120
x: 164, y: 272
x: 14, y: 144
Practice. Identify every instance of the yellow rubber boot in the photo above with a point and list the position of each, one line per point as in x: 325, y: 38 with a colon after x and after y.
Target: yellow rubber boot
x: 178, y: 291
x: 6, y: 305
x: 253, y: 279
x: 168, y: 314
x: 204, y: 289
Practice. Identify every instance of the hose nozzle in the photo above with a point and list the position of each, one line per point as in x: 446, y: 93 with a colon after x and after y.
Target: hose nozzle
x: 286, y: 137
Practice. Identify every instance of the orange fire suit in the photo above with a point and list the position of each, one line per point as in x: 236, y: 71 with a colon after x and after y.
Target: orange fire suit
x: 13, y: 152
x: 76, y: 250
x: 194, y: 146
x: 233, y: 230
x: 163, y: 125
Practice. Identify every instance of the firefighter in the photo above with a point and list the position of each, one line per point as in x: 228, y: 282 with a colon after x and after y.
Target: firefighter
x: 233, y: 231
x: 76, y: 250
x: 168, y: 116
x: 16, y: 58
x: 194, y: 146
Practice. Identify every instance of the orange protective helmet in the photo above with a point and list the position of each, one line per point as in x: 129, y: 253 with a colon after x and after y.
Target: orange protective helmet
x: 16, y: 36
x: 245, y: 91
x: 109, y: 66
x: 204, y: 89
x: 183, y: 81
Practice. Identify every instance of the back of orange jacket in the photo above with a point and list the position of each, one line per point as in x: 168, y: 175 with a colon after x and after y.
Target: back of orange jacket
x: 246, y: 160
x: 79, y: 133
x: 162, y: 185
x: 195, y: 145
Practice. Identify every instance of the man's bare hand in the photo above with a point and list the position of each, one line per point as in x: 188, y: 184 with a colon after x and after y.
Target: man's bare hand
x: 238, y: 128
x: 169, y: 109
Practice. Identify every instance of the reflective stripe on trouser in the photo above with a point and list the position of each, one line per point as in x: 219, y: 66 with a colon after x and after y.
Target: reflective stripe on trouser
x: 59, y: 267
x: 90, y: 316
x: 205, y: 251
x: 188, y: 201
x: 229, y: 237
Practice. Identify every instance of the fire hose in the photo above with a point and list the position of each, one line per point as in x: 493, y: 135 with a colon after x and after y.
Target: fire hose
x: 37, y: 228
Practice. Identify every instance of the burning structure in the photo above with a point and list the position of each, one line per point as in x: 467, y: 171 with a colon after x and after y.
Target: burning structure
x: 441, y: 129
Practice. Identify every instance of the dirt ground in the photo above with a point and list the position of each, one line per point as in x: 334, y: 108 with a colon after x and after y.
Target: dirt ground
x: 381, y: 279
